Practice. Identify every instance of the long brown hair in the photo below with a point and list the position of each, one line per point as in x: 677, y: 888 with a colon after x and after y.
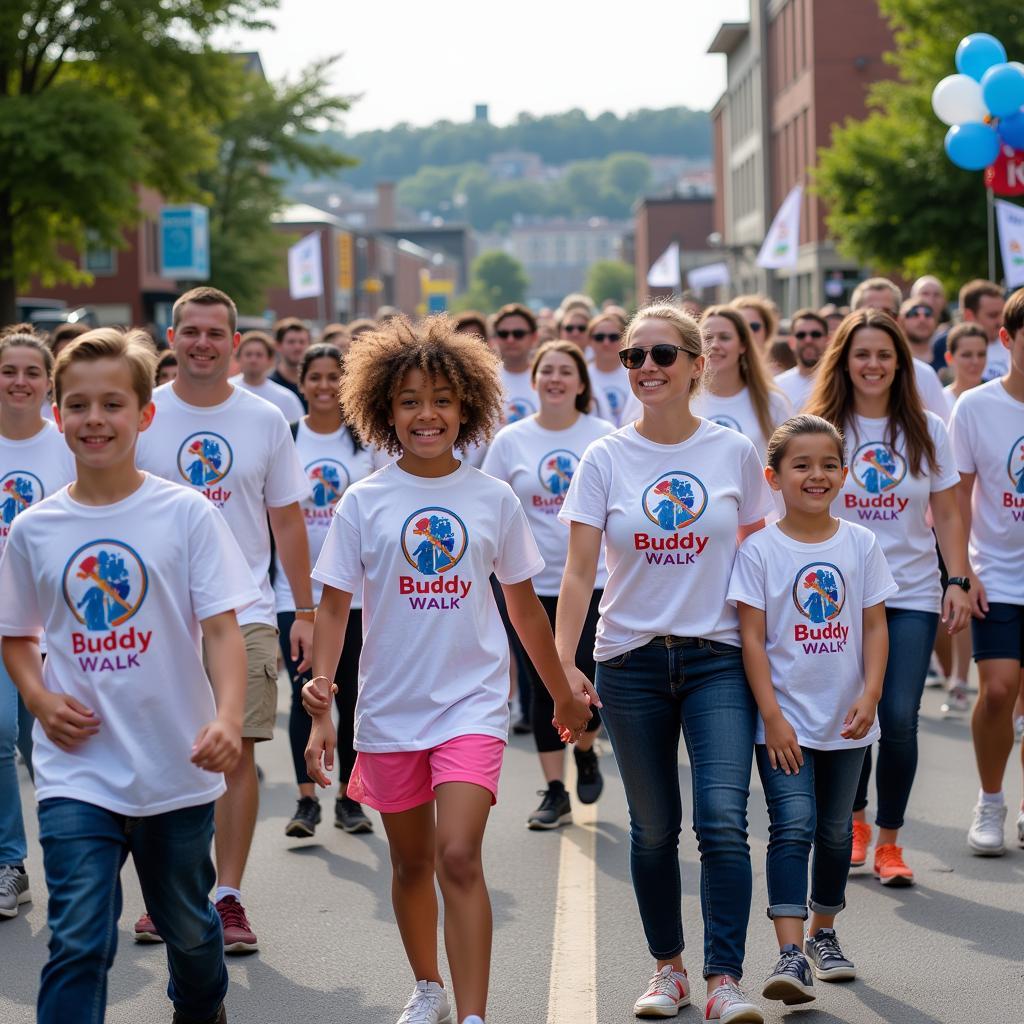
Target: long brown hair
x: 832, y: 397
x: 752, y: 371
x: 575, y: 353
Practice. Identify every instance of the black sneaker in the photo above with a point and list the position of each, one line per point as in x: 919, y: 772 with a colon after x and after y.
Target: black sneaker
x: 350, y: 817
x: 305, y: 819
x: 791, y: 981
x: 555, y: 809
x: 827, y: 960
x: 221, y: 1017
x: 589, y: 780
x: 522, y: 727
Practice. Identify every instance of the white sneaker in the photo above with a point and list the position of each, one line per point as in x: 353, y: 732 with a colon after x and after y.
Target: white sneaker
x: 729, y: 1003
x: 428, y: 1004
x: 1020, y: 829
x: 957, y: 701
x: 985, y: 836
x: 668, y: 990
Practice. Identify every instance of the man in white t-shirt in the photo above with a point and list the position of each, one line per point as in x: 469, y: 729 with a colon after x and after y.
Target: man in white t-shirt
x: 255, y: 357
x: 292, y: 338
x: 808, y: 339
x: 918, y: 320
x: 237, y: 451
x: 514, y: 330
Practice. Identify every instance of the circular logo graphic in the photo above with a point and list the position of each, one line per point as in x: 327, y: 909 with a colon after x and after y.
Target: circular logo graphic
x: 1015, y: 465
x: 675, y: 500
x: 105, y: 584
x: 204, y: 459
x: 819, y: 591
x: 434, y: 540
x: 877, y: 468
x: 18, y: 490
x: 519, y: 409
x: 556, y: 469
x: 727, y: 421
x: 328, y: 479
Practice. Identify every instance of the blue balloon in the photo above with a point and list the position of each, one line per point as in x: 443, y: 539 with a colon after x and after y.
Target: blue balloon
x: 1002, y: 89
x: 977, y: 53
x: 972, y: 146
x: 1011, y: 129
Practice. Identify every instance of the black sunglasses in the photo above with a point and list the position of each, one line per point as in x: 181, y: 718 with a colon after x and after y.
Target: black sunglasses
x: 920, y: 311
x: 574, y: 328
x: 800, y: 335
x: 601, y: 336
x: 755, y: 325
x: 663, y: 355
x: 515, y: 332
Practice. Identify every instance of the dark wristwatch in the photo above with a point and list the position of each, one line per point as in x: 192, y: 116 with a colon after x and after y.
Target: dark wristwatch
x: 960, y: 581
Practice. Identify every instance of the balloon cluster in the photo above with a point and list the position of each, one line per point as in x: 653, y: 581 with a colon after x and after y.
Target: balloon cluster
x: 983, y: 104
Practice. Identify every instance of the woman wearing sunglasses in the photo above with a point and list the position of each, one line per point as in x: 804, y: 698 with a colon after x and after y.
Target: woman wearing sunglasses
x: 739, y: 391
x: 608, y: 377
x: 571, y: 322
x: 670, y: 496
x: 762, y: 318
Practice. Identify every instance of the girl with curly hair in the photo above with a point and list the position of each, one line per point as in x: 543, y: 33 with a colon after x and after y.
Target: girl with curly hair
x: 422, y: 537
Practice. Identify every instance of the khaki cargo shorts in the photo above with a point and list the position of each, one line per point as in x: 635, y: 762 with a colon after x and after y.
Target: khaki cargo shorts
x: 261, y: 685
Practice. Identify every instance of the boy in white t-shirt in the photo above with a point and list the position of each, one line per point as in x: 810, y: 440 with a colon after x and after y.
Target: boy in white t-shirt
x: 123, y: 571
x: 237, y: 451
x: 514, y: 329
x: 987, y: 431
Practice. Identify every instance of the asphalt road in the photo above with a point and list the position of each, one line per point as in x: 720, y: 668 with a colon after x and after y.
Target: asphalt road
x: 949, y: 950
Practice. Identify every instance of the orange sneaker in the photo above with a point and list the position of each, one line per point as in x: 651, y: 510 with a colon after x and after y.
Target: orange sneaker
x: 890, y: 868
x: 861, y: 842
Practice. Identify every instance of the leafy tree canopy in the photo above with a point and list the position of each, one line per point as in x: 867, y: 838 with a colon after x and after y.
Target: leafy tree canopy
x: 610, y: 279
x: 495, y: 278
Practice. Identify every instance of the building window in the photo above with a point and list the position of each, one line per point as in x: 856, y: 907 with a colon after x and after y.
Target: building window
x: 99, y: 259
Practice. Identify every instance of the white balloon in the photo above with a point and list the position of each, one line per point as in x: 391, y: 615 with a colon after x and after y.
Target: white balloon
x: 957, y: 99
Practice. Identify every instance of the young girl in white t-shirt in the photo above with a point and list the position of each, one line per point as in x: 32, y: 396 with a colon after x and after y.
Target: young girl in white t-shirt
x: 421, y: 538
x: 810, y: 591
x: 34, y: 463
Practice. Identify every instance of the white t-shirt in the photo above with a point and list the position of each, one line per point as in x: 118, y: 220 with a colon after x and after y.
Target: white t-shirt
x: 737, y: 413
x: 520, y: 398
x: 951, y: 398
x: 240, y: 455
x: 929, y: 387
x: 435, y: 657
x: 331, y: 464
x: 881, y: 493
x: 988, y: 438
x: 287, y: 401
x: 611, y: 392
x: 997, y: 363
x: 539, y: 465
x: 670, y: 515
x: 31, y: 470
x: 120, y: 590
x: 813, y: 597
x: 796, y: 386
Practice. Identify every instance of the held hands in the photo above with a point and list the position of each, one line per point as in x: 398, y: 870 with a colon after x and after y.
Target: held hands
x: 317, y: 696
x: 218, y: 746
x: 859, y: 718
x: 957, y: 608
x: 573, y: 714
x: 783, y: 747
x: 66, y: 722
x: 323, y: 738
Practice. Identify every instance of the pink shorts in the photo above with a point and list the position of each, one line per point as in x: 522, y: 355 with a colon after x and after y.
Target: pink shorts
x: 396, y: 782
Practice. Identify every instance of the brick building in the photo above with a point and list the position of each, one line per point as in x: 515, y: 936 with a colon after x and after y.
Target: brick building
x: 660, y: 221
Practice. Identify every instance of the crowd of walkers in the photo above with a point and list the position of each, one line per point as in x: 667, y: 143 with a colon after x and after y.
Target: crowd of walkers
x: 699, y: 523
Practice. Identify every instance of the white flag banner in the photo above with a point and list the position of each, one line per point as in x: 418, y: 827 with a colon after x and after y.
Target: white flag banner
x: 1010, y: 219
x: 305, y: 269
x: 665, y: 272
x: 710, y: 276
x: 782, y: 243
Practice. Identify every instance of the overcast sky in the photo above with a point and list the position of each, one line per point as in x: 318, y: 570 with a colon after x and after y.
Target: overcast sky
x: 421, y: 62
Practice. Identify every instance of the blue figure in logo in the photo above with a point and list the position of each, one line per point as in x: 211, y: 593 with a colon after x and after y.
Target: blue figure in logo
x: 880, y: 476
x: 434, y: 553
x: 327, y: 487
x: 614, y: 403
x: 560, y: 474
x: 823, y: 601
x: 18, y: 498
x: 1019, y: 475
x: 205, y: 466
x: 104, y: 602
x: 676, y: 508
x: 517, y: 410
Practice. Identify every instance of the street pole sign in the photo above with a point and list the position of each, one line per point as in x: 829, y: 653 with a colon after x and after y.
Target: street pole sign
x: 185, y: 242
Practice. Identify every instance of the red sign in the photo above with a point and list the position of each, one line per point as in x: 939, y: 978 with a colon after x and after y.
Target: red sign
x: 1006, y: 176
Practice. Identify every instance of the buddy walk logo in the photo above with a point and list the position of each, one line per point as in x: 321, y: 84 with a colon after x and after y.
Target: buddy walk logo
x: 1014, y: 499
x: 18, y: 490
x: 555, y: 473
x: 819, y: 593
x: 204, y: 460
x: 433, y: 542
x: 674, y: 502
x: 878, y: 470
x: 105, y: 583
x: 328, y: 480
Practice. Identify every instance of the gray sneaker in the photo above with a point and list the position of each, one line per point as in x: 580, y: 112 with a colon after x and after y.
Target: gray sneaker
x: 791, y: 981
x: 827, y: 960
x: 14, y: 889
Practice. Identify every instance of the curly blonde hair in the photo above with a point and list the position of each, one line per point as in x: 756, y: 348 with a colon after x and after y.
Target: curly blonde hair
x: 377, y: 364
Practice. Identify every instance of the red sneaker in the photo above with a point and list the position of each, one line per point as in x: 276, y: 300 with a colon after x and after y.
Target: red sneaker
x: 145, y: 930
x: 890, y: 868
x: 238, y: 935
x: 861, y: 842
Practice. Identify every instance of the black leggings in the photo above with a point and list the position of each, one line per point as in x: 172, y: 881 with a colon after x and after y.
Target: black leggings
x: 347, y: 680
x: 542, y: 706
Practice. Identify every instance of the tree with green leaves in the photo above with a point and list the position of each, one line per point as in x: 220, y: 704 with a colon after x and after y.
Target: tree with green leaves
x: 495, y: 278
x: 95, y: 99
x: 895, y: 200
x: 610, y: 279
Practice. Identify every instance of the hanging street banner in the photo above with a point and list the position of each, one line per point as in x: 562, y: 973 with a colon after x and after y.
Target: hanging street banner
x: 1006, y: 176
x: 305, y: 269
x: 712, y: 275
x: 1010, y: 219
x: 665, y: 272
x: 185, y: 242
x: 782, y: 243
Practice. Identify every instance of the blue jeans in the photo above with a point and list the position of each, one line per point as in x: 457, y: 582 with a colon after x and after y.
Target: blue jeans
x: 814, y: 806
x: 911, y: 639
x: 84, y: 848
x: 12, y: 827
x: 650, y: 694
